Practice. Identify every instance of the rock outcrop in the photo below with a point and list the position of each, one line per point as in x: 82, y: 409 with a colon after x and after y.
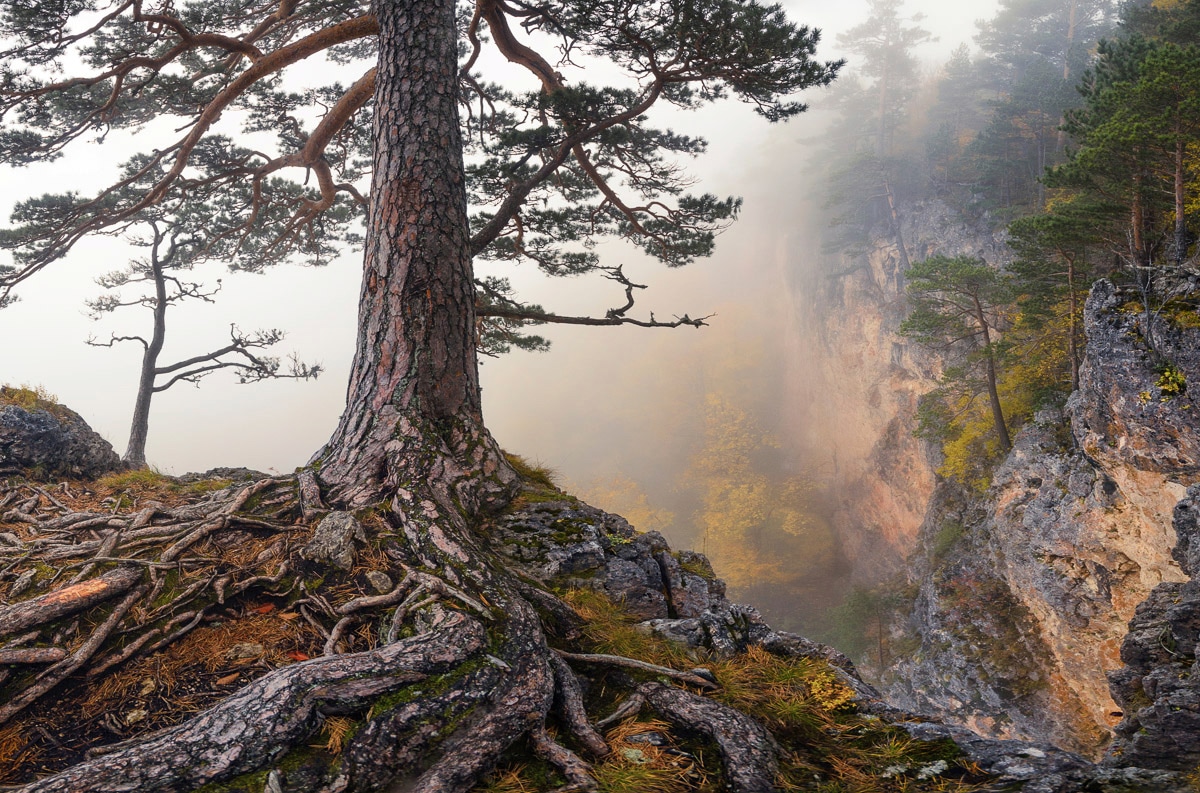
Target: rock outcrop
x: 1158, y: 689
x: 675, y: 594
x: 1052, y: 562
x: 50, y: 440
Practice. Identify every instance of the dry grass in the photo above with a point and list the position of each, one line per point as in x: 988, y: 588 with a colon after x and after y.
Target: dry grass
x: 828, y: 746
x: 31, y: 397
x: 639, y: 767
x: 510, y: 779
x: 15, y: 750
x: 609, y: 629
x: 533, y: 473
x: 337, y: 731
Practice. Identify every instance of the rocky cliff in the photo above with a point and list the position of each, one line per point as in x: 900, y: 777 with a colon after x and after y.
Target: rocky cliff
x: 1025, y: 592
x: 855, y: 384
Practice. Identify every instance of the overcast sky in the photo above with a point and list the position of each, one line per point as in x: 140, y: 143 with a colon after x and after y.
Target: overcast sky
x: 277, y: 426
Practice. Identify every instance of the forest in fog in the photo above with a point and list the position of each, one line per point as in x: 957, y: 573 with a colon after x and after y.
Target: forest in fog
x: 1070, y: 126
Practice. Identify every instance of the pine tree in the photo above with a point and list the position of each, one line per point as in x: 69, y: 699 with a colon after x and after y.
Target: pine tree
x: 958, y: 305
x: 549, y: 171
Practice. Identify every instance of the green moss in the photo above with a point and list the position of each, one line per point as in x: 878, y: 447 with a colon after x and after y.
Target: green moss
x: 206, y: 486
x: 430, y: 687
x: 246, y: 783
x: 949, y: 534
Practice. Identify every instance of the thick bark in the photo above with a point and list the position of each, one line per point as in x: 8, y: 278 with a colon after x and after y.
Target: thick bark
x: 413, y: 405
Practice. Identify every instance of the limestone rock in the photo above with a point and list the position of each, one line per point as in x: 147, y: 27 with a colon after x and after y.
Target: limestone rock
x: 1073, y: 535
x: 1158, y: 689
x: 379, y: 581
x: 333, y: 541
x: 52, y: 441
x: 235, y: 475
x: 569, y: 543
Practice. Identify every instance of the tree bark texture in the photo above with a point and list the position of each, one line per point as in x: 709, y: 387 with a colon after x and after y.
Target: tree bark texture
x: 413, y: 404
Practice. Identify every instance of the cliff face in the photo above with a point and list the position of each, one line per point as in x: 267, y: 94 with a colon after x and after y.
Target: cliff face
x: 1158, y: 689
x: 1025, y: 592
x: 855, y: 384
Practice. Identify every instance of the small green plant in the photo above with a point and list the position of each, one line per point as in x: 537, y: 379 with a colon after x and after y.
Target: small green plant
x: 1171, y: 382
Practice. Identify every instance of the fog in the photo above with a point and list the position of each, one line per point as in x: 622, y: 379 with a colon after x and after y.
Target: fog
x: 623, y: 415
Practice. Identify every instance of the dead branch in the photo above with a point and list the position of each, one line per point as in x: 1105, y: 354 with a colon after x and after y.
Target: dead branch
x: 68, y: 600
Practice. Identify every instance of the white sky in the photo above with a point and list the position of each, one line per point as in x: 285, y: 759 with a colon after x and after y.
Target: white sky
x: 278, y: 425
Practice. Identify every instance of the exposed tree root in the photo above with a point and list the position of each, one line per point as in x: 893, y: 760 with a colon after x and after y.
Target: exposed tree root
x: 578, y: 773
x: 68, y: 600
x: 748, y: 752
x: 258, y: 724
x: 570, y: 700
x: 430, y: 680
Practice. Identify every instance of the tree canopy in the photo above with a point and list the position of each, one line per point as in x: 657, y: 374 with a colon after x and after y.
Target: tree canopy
x: 273, y: 167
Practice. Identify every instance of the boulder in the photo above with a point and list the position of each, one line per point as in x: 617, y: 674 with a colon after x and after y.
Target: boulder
x: 48, y: 440
x: 333, y: 541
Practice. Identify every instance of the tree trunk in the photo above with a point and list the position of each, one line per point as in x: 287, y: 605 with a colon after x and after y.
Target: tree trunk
x: 135, y: 450
x: 993, y: 393
x: 1073, y: 342
x: 1180, y: 217
x: 894, y: 217
x: 413, y: 405
x: 1137, y: 220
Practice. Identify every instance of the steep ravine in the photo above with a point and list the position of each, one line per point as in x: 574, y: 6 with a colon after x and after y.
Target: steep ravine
x: 854, y: 383
x: 1024, y: 593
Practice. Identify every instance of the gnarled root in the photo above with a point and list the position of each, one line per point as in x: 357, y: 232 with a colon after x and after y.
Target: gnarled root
x: 260, y: 722
x: 438, y: 709
x: 748, y: 752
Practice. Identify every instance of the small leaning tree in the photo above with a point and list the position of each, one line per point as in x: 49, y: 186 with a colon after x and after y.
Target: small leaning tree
x: 169, y: 251
x: 459, y: 168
